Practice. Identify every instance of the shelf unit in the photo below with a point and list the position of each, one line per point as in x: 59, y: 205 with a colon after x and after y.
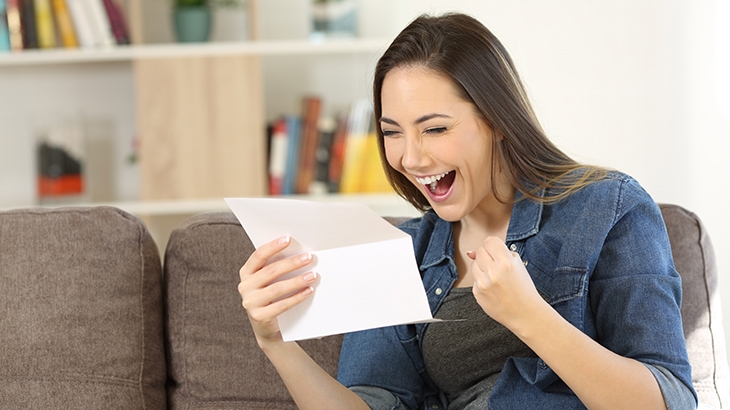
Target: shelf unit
x: 200, y: 111
x: 174, y: 85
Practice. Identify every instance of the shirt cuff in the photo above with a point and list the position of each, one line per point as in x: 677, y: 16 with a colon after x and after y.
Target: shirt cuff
x: 677, y: 395
x: 378, y: 398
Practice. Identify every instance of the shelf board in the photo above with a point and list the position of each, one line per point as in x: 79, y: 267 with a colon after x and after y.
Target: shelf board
x: 146, y: 51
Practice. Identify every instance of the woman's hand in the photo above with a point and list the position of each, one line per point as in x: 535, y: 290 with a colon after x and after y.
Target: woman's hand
x: 265, y: 299
x: 502, y: 286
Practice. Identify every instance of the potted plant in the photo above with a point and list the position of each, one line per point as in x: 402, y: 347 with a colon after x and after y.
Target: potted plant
x: 192, y: 18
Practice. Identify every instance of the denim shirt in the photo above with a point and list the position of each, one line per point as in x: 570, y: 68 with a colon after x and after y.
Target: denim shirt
x: 601, y: 258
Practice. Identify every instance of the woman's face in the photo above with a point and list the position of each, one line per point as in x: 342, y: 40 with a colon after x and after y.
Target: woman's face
x: 437, y: 140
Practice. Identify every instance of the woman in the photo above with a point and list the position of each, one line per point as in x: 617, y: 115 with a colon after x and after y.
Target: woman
x: 562, y: 271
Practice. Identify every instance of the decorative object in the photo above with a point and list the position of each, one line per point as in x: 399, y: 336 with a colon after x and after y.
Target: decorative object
x: 193, y: 18
x: 334, y: 18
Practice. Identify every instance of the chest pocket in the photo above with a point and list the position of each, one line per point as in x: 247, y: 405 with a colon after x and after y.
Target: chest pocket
x: 565, y: 288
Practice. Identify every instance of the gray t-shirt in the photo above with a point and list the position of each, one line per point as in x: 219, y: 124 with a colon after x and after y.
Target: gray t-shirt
x: 464, y: 357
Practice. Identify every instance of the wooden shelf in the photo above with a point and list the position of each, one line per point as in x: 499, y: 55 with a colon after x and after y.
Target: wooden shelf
x: 131, y: 53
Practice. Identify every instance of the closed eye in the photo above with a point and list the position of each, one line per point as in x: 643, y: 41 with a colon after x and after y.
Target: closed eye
x: 389, y: 133
x: 436, y: 130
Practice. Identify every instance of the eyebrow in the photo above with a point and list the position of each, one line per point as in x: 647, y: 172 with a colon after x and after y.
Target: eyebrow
x: 418, y: 120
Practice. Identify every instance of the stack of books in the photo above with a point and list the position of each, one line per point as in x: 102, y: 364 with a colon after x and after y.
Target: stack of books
x: 315, y: 154
x: 46, y: 24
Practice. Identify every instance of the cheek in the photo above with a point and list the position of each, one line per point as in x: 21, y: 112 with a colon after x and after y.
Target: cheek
x: 393, y: 153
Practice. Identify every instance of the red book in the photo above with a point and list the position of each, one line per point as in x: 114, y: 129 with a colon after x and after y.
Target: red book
x: 116, y: 22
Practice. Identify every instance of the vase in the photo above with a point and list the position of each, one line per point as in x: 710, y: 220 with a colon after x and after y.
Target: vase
x: 192, y: 24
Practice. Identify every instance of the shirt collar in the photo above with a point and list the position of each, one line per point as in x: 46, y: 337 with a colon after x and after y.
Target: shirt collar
x: 524, y: 222
x: 526, y: 217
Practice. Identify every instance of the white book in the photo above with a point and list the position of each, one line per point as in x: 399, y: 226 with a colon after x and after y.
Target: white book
x: 82, y: 23
x: 99, y: 23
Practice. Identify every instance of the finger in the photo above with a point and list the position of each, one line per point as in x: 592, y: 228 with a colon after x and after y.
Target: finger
x: 273, y: 272
x: 261, y: 256
x: 273, y: 310
x: 277, y: 290
x: 496, y: 247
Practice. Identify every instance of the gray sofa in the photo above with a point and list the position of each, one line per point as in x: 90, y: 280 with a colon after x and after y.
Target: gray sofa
x: 89, y: 319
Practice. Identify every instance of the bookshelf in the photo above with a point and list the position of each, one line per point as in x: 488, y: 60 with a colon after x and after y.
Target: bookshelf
x: 225, y: 144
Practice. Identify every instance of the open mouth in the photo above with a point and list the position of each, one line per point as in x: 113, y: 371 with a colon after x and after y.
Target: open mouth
x: 438, y: 185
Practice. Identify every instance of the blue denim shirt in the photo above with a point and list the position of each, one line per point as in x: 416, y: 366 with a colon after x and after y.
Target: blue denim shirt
x: 600, y: 257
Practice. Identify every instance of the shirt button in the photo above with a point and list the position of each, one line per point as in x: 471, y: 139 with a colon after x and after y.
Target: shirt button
x: 439, y: 291
x: 513, y: 247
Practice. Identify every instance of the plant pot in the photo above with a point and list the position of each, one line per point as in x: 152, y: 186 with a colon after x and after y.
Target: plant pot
x: 192, y: 24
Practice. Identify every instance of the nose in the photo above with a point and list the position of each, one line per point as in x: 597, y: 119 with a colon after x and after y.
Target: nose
x: 415, y: 155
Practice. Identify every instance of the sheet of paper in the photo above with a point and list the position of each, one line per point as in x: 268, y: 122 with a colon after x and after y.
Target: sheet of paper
x: 368, y: 275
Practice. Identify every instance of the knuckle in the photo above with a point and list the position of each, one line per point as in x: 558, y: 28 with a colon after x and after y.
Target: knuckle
x: 255, y: 316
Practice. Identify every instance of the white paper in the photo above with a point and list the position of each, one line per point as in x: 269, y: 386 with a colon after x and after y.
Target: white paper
x: 368, y: 276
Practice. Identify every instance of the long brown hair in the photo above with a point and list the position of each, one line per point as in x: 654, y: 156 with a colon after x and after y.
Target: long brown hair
x: 465, y: 51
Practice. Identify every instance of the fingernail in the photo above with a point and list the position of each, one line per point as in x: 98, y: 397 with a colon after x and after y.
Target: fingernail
x: 305, y: 257
x: 471, y: 254
x: 284, y: 240
x: 310, y: 276
x: 307, y: 290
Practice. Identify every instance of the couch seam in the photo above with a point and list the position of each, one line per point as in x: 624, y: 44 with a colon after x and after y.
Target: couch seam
x: 186, y: 387
x: 709, y: 305
x: 140, y: 244
x: 129, y: 383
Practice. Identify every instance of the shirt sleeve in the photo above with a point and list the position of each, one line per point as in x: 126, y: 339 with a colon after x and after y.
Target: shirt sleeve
x: 635, y: 293
x: 384, y: 358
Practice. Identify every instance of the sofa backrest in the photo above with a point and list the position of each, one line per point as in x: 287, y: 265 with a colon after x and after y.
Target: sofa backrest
x: 694, y: 258
x: 214, y: 361
x: 81, y: 314
x: 80, y: 311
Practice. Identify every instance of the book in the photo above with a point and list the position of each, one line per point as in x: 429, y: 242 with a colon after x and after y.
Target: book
x: 4, y: 32
x: 337, y: 152
x: 116, y: 22
x: 277, y: 157
x: 293, y: 126
x: 64, y: 24
x: 373, y: 175
x: 44, y: 24
x: 29, y: 33
x: 15, y: 24
x: 327, y: 128
x: 82, y: 23
x: 99, y: 23
x: 308, y: 144
x: 357, y: 130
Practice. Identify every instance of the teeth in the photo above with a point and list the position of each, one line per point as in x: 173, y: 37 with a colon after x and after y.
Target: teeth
x: 431, y: 180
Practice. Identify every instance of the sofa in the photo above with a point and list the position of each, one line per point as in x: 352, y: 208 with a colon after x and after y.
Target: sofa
x: 93, y: 316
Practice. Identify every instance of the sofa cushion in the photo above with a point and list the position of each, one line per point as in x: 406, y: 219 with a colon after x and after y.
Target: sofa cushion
x: 694, y: 259
x: 80, y: 311
x: 214, y: 361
